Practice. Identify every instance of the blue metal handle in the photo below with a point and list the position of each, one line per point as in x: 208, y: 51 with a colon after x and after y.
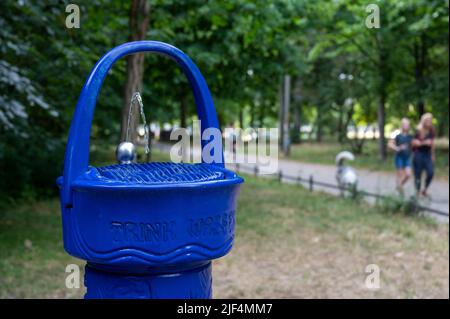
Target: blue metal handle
x: 77, y: 152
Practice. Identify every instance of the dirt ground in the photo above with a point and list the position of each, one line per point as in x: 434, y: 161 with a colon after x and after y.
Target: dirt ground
x: 290, y: 243
x: 310, y: 265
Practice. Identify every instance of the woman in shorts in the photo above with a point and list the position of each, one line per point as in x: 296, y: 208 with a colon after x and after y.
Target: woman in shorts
x: 401, y: 144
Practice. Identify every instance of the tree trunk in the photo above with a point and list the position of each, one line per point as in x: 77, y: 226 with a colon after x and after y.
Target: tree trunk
x: 183, y: 111
x: 420, y: 57
x: 441, y: 128
x: 420, y: 107
x: 252, y: 115
x: 221, y: 120
x: 297, y: 135
x: 262, y: 114
x: 349, y: 119
x: 241, y: 118
x: 138, y: 23
x: 381, y: 123
x: 340, y: 126
x: 311, y: 132
x: 383, y: 55
x: 281, y: 113
x: 286, y: 106
x: 319, y: 125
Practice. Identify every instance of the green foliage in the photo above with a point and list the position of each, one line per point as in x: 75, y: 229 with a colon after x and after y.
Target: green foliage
x: 42, y: 68
x: 382, y: 61
x: 29, y: 166
x: 242, y: 47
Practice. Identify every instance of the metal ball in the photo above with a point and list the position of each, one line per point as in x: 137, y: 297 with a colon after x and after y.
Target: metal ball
x: 126, y: 153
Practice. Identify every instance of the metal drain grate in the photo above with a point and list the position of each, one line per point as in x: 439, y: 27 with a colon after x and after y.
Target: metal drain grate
x: 153, y: 173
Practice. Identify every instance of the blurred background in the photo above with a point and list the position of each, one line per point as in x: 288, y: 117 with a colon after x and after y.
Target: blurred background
x: 348, y: 86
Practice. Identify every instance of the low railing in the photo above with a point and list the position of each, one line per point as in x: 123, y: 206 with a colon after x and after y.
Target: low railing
x: 310, y: 182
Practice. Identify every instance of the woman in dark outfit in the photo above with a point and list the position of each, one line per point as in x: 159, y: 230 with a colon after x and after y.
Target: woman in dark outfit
x: 424, y: 155
x: 401, y: 144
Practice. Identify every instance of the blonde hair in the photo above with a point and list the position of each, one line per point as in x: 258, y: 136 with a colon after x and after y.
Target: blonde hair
x: 403, y: 121
x: 423, y: 118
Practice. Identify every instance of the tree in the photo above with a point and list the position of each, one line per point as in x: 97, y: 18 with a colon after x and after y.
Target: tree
x: 138, y: 22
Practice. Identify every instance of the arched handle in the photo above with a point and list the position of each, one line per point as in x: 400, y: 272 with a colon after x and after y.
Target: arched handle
x: 77, y: 151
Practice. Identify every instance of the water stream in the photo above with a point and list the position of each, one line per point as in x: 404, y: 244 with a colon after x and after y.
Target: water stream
x: 136, y: 98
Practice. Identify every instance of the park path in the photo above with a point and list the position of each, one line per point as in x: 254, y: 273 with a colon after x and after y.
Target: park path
x: 370, y: 181
x: 377, y: 182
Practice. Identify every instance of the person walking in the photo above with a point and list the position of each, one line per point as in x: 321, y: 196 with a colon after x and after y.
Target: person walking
x: 424, y: 154
x: 401, y: 144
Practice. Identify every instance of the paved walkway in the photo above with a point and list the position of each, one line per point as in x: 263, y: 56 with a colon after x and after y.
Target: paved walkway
x: 370, y: 181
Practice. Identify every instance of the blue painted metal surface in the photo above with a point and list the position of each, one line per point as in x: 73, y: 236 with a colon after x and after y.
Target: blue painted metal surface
x: 146, y: 230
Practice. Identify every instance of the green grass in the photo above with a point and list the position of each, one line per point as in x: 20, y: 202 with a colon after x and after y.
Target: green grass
x: 324, y: 153
x: 33, y: 261
x: 32, y: 257
x: 278, y: 203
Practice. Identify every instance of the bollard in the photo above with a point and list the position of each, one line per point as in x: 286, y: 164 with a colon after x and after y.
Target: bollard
x: 146, y: 230
x: 256, y: 171
x: 311, y: 183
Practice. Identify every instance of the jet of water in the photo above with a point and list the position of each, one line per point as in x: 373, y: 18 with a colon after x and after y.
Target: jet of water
x: 136, y: 98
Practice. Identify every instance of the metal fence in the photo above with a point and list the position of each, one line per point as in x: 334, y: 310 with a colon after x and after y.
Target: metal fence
x: 310, y: 182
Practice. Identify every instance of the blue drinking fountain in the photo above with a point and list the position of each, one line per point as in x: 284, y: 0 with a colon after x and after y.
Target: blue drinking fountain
x: 146, y: 230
